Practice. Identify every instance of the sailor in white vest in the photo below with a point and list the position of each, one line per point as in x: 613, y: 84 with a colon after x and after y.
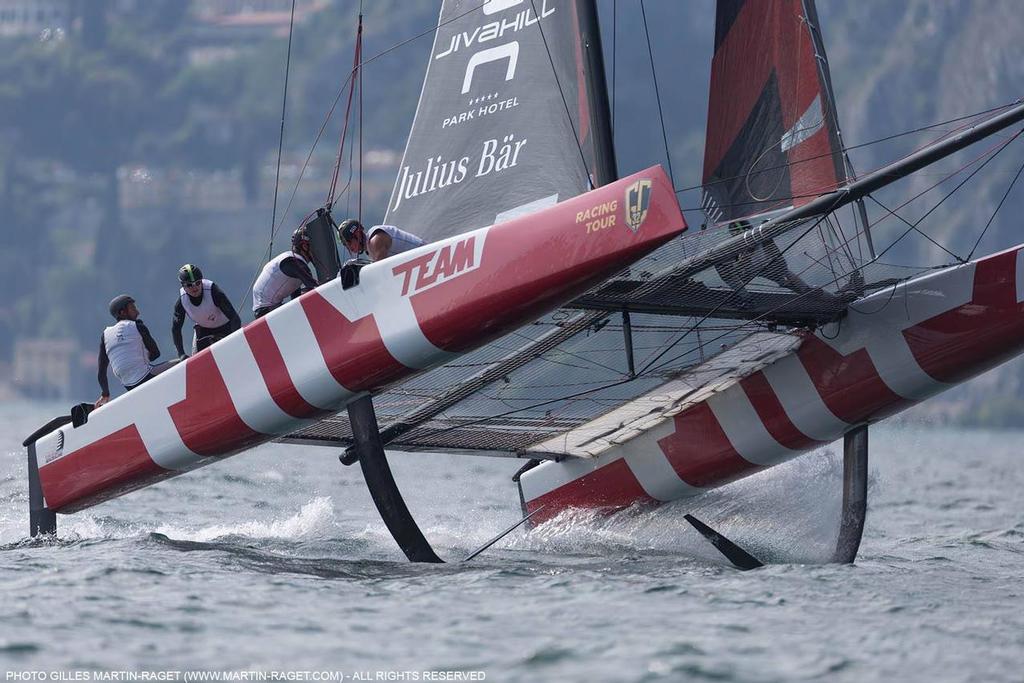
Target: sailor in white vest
x: 127, y: 348
x: 380, y: 242
x: 287, y: 274
x: 207, y: 306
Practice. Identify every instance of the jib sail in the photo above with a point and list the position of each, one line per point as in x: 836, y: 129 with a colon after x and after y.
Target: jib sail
x: 508, y: 121
x: 772, y: 135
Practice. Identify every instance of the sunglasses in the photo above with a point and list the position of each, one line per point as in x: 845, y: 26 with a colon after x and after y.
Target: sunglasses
x: 194, y: 284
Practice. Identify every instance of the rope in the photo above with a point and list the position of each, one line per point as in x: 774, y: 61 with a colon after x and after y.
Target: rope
x: 993, y: 216
x: 657, y: 95
x: 859, y: 146
x: 348, y: 110
x: 280, y: 151
x: 568, y: 113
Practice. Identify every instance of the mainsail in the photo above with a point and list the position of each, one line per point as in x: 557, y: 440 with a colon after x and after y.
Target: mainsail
x: 772, y: 137
x: 509, y: 119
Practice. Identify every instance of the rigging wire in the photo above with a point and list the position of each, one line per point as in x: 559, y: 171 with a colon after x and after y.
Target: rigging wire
x: 951, y: 193
x: 558, y: 84
x: 914, y: 227
x: 657, y: 95
x: 280, y: 151
x: 359, y: 215
x: 993, y: 216
x: 813, y: 195
x: 570, y: 397
x: 650, y: 366
x: 305, y: 165
x: 615, y: 32
x: 869, y: 143
x: 280, y: 139
x: 356, y: 71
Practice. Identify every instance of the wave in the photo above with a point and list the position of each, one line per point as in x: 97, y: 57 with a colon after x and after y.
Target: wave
x: 315, y: 520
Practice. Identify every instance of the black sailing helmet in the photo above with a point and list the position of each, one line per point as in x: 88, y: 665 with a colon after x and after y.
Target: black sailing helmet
x: 189, y: 275
x: 300, y: 240
x: 347, y: 229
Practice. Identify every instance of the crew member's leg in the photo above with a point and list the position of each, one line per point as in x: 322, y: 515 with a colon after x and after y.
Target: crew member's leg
x: 153, y: 373
x: 263, y: 310
x: 206, y: 336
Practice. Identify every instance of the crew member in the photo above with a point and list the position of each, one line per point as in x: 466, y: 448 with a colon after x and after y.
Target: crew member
x: 762, y: 259
x: 380, y: 242
x: 207, y: 306
x: 287, y: 274
x: 127, y: 348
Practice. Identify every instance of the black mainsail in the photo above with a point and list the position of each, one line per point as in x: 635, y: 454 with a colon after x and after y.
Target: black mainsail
x: 509, y: 119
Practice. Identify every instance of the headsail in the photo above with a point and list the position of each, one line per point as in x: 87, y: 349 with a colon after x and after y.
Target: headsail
x: 507, y: 120
x: 772, y: 137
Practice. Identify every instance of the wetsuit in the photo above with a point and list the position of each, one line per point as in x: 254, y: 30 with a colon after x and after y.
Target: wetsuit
x: 212, y: 313
x: 127, y: 348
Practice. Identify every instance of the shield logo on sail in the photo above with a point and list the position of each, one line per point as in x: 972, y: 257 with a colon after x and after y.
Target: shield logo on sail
x: 638, y: 200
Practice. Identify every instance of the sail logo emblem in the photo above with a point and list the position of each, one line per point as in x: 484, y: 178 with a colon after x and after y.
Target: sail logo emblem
x: 638, y: 201
x: 440, y: 265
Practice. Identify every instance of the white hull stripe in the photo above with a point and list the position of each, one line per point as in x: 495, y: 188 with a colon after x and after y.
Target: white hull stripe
x: 247, y: 388
x: 303, y: 358
x: 800, y: 399
x: 744, y: 429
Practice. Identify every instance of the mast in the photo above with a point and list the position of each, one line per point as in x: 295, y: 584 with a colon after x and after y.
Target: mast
x: 825, y: 73
x: 606, y: 168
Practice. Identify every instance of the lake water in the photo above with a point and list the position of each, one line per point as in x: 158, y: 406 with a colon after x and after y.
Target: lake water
x: 276, y: 561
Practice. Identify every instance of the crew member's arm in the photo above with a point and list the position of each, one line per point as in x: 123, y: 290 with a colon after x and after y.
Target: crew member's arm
x: 293, y: 267
x: 222, y: 302
x: 147, y: 339
x: 176, y: 322
x: 379, y: 245
x: 103, y: 362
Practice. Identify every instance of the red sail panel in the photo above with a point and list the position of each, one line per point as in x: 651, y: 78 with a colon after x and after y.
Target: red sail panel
x: 772, y: 136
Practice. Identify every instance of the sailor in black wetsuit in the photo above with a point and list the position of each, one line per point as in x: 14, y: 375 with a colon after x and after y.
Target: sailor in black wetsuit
x: 207, y: 306
x: 286, y: 274
x: 127, y: 348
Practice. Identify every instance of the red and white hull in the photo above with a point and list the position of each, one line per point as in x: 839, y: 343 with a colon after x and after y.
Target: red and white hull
x: 311, y: 357
x: 894, y: 348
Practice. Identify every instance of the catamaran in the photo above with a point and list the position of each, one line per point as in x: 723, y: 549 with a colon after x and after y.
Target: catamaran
x: 563, y: 315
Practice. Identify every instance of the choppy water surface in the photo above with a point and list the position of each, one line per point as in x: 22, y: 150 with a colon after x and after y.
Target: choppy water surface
x: 277, y: 560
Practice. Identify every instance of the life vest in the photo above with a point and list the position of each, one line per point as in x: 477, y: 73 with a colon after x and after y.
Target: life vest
x: 206, y: 314
x: 272, y: 286
x: 400, y: 239
x: 129, y: 359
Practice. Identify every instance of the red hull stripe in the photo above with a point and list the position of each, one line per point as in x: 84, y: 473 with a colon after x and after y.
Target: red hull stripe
x: 700, y: 452
x: 562, y: 257
x: 207, y: 419
x: 849, y: 385
x: 354, y: 351
x: 772, y: 414
x: 944, y: 345
x: 275, y: 372
x: 116, y: 464
x: 611, y: 486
